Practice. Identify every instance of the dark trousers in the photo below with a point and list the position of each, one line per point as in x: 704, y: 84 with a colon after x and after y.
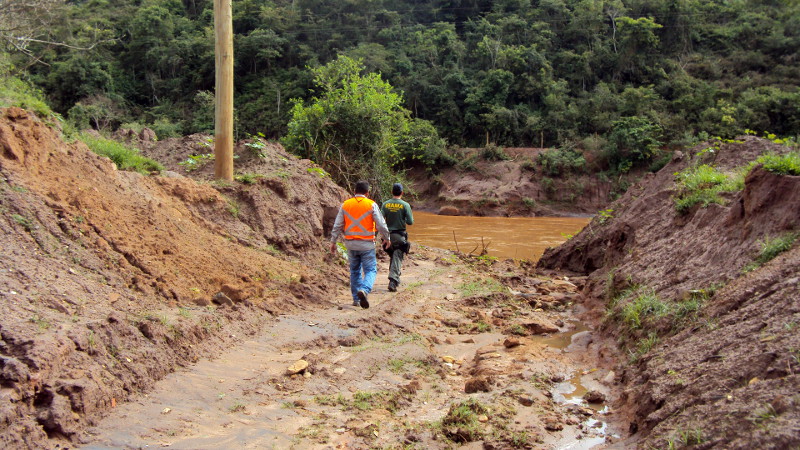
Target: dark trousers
x: 397, y: 253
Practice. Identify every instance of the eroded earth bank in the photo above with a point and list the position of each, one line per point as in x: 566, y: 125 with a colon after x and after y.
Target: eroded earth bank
x: 167, y: 310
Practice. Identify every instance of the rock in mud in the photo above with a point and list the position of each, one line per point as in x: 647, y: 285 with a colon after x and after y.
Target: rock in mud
x: 594, y: 397
x: 553, y: 424
x: 299, y: 366
x: 525, y: 400
x: 221, y: 299
x: 478, y: 384
x: 511, y: 342
x: 540, y: 325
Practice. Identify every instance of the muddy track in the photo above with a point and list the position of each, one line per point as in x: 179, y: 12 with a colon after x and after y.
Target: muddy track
x: 455, y: 356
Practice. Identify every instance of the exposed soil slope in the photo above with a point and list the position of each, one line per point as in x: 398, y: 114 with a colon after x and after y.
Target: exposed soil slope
x: 514, y: 187
x: 727, y: 374
x: 110, y: 279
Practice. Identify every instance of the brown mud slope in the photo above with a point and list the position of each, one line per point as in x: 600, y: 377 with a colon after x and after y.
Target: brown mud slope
x: 111, y: 279
x: 714, y: 344
x: 514, y: 187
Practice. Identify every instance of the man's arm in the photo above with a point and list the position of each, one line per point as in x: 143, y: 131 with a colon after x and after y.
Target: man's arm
x: 338, y: 229
x: 409, y: 215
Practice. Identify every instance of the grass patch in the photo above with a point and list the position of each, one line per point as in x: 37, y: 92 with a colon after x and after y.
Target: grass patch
x: 764, y: 415
x: 645, y: 305
x: 788, y: 164
x: 643, y: 317
x: 642, y: 347
x: 480, y: 287
x: 23, y: 221
x: 703, y: 185
x: 686, y: 438
x: 461, y: 423
x: 330, y: 400
x: 771, y: 247
x: 124, y: 157
x: 16, y: 92
x: 248, y: 178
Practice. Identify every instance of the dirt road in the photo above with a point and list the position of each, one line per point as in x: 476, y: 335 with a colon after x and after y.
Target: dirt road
x: 454, y: 357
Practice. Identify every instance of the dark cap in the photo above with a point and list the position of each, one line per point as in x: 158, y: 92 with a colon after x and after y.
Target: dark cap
x: 397, y: 189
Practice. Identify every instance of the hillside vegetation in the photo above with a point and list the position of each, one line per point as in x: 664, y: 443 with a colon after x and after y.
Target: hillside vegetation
x: 616, y: 75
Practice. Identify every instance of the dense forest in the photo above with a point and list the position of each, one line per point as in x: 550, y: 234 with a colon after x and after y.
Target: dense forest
x: 589, y: 74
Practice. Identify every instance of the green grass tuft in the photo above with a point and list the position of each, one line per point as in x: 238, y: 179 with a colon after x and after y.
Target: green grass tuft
x: 703, y: 185
x: 788, y: 164
x: 124, y: 157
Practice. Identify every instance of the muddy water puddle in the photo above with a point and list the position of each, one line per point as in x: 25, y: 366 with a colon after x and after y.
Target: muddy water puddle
x: 505, y: 237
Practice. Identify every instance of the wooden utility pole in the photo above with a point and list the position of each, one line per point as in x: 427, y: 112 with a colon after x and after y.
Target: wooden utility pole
x: 223, y: 105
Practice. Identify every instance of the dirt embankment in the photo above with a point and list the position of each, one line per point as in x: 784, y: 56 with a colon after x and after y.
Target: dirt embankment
x: 714, y: 341
x: 111, y: 279
x: 513, y: 187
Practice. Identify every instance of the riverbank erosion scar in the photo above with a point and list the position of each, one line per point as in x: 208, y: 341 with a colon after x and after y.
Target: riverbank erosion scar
x: 109, y: 280
x: 709, y: 320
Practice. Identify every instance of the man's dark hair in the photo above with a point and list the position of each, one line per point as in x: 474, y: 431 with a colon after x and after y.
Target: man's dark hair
x: 362, y: 187
x: 397, y: 189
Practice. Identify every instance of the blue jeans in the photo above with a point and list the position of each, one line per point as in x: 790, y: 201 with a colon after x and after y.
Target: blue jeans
x: 362, y: 261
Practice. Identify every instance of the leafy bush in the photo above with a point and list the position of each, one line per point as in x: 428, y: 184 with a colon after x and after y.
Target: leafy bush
x: 788, y: 164
x: 704, y: 184
x: 352, y: 129
x: 420, y: 142
x: 165, y: 129
x: 494, y: 153
x: 556, y: 162
x: 124, y: 157
x: 632, y: 140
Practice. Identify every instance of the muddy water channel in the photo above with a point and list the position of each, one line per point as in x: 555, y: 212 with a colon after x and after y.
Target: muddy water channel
x: 505, y: 237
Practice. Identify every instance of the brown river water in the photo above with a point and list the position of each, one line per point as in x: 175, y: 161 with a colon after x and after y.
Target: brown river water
x: 505, y: 237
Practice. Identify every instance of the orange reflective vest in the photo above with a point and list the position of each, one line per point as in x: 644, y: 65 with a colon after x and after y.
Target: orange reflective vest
x: 358, y: 222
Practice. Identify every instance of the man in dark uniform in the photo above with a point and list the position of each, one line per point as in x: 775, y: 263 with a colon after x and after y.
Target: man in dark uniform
x: 398, y: 214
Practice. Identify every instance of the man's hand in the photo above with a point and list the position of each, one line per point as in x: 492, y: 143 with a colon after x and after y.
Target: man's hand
x: 387, y: 244
x: 333, y: 247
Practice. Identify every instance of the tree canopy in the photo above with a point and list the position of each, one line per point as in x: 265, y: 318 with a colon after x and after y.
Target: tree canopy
x: 509, y: 72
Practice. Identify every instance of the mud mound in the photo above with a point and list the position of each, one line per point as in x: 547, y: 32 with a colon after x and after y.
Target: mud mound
x: 715, y: 345
x: 110, y: 279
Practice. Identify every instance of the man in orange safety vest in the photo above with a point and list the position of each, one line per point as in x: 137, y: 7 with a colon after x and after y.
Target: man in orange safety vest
x: 356, y: 222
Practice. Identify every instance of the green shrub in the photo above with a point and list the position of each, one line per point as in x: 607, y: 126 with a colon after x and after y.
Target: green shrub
x: 494, y: 153
x: 165, y: 129
x: 124, y: 157
x: 632, y: 139
x: 788, y: 164
x: 556, y: 162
